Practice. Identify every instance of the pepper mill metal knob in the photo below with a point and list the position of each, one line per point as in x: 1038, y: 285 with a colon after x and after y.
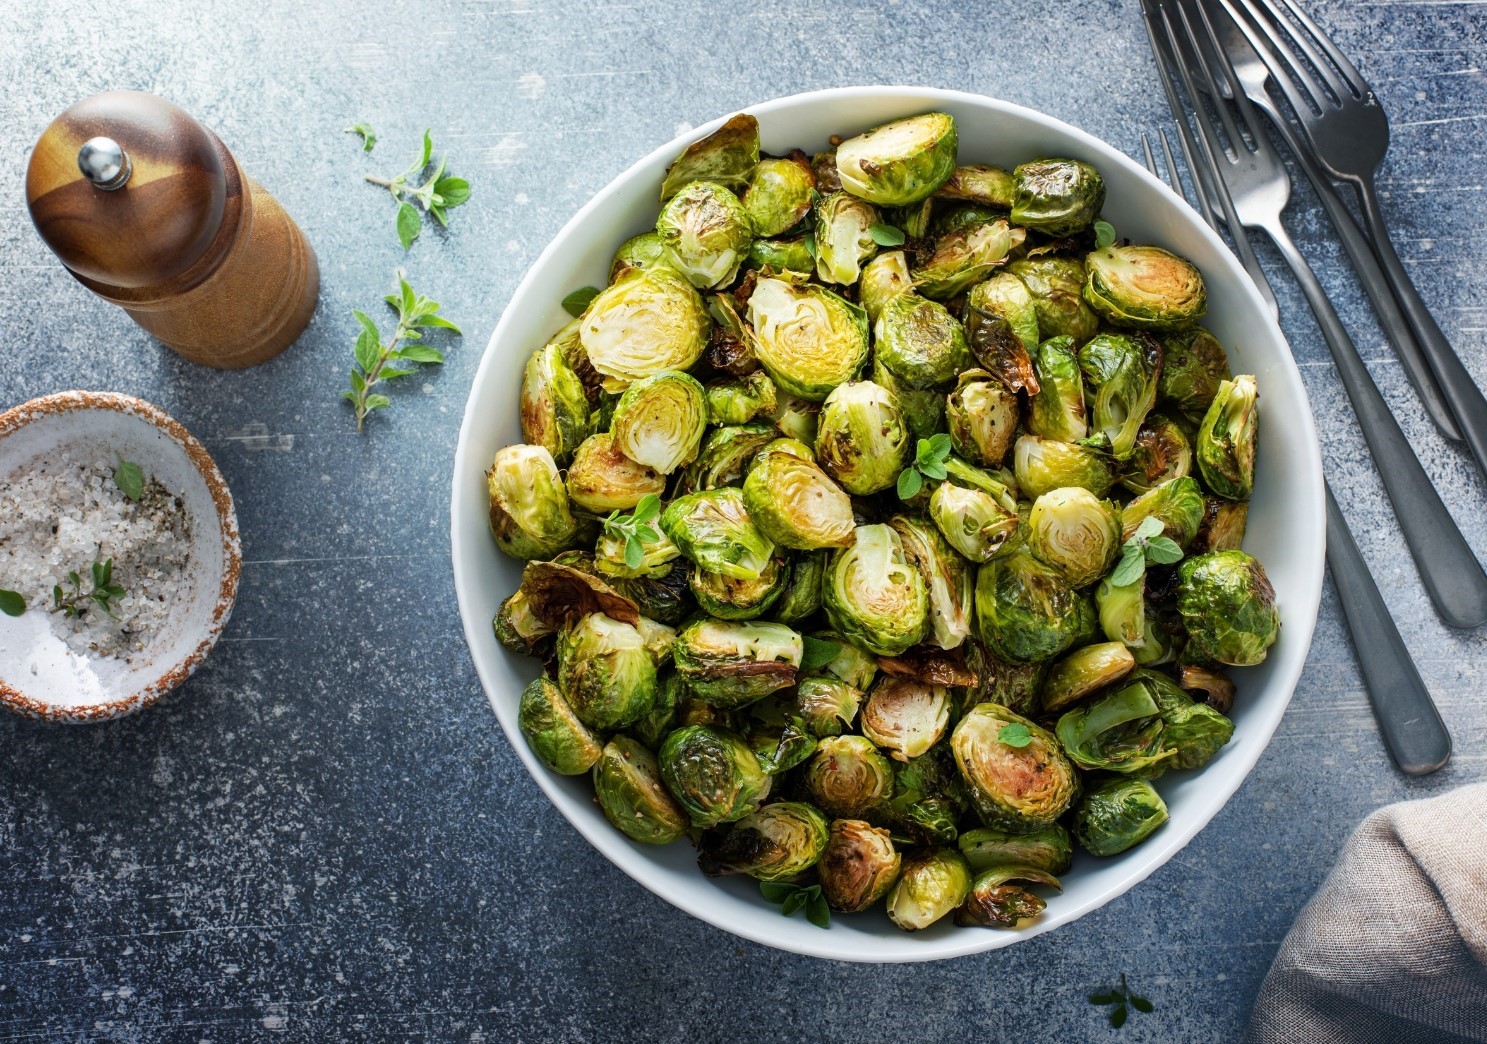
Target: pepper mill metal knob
x: 148, y: 209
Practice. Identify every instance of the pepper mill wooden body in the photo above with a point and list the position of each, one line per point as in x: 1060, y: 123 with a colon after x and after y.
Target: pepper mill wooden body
x: 148, y: 209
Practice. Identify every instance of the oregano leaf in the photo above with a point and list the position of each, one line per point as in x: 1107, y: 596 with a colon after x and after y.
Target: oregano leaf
x: 817, y: 652
x: 12, y: 603
x: 576, y: 303
x: 1104, y: 234
x: 130, y: 479
x: 1014, y: 734
x: 886, y: 235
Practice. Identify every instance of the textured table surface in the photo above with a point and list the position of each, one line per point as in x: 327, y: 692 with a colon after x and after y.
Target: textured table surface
x: 325, y: 834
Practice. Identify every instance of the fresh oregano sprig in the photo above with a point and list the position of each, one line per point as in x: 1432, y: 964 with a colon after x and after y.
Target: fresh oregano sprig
x: 1121, y: 998
x: 437, y: 194
x: 378, y: 361
x: 1104, y: 234
x: 929, y: 463
x: 104, y: 591
x: 798, y: 897
x: 635, y: 528
x: 1147, y: 544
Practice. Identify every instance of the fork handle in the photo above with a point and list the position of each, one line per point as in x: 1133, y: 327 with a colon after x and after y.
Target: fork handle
x: 1450, y: 572
x: 1456, y: 383
x: 1417, y: 739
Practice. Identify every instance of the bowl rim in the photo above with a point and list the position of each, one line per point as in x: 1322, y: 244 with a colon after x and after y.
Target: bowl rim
x: 63, y: 403
x: 1148, y: 857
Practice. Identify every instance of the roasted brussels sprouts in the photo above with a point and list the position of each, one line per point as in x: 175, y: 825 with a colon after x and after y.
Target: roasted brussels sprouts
x: 1120, y: 374
x: 728, y: 598
x: 856, y: 667
x: 848, y: 777
x: 1076, y: 532
x: 517, y: 628
x: 778, y: 842
x: 990, y: 186
x: 905, y: 717
x: 712, y: 773
x: 1026, y: 610
x: 844, y: 242
x: 1194, y: 730
x: 809, y: 339
x: 1122, y: 612
x: 826, y: 705
x: 602, y: 478
x: 1120, y: 732
x: 1226, y: 439
x: 982, y: 417
x: 793, y: 502
x: 873, y: 596
x: 606, y: 672
x: 995, y: 901
x: 1193, y: 365
x: 1057, y: 412
x: 1042, y: 465
x: 859, y: 865
x: 727, y: 156
x: 863, y: 440
x: 1144, y: 288
x: 1228, y: 607
x: 659, y: 421
x: 740, y: 399
x: 664, y: 596
x: 1057, y: 196
x: 929, y: 797
x: 900, y: 162
x: 1049, y: 848
x: 783, y: 255
x: 529, y: 514
x: 884, y: 277
x: 646, y: 250
x: 725, y: 457
x: 1002, y: 329
x: 561, y: 742
x: 1082, y: 672
x: 802, y: 596
x: 1057, y: 286
x: 924, y: 411
x: 713, y: 530
x: 931, y: 884
x: 1013, y: 685
x: 947, y: 579
x: 648, y: 322
x: 973, y: 521
x: 1017, y: 788
x: 731, y: 664
x: 706, y: 232
x: 796, y: 418
x: 780, y: 194
x: 1162, y: 452
x: 1214, y: 688
x: 1118, y: 814
x: 554, y: 405
x: 627, y: 782
x: 1222, y: 528
x: 1177, y: 504
x: 920, y: 341
x: 964, y: 257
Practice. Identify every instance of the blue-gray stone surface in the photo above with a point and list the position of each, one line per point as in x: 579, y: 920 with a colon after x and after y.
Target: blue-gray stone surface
x: 325, y: 833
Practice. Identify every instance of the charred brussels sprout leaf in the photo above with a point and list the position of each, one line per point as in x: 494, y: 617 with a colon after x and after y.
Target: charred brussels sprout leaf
x: 713, y: 530
x: 863, y: 440
x: 947, y: 579
x: 732, y: 664
x: 809, y: 339
x: 554, y: 405
x: 964, y: 257
x: 859, y: 866
x: 873, y: 596
x: 1144, y: 288
x: 1120, y: 732
x: 1002, y: 325
x: 1057, y: 411
x: 793, y: 502
x: 602, y: 478
x: 712, y: 773
x: 900, y: 162
x: 1228, y: 607
x: 1120, y: 373
x: 529, y: 514
x: 997, y: 900
x: 659, y: 421
x: 844, y: 240
x: 1057, y: 196
x: 777, y: 843
x: 780, y: 194
x: 920, y: 341
x: 1012, y: 788
x: 1162, y: 452
x: 1027, y: 611
x: 648, y: 322
x: 1223, y: 525
x: 627, y: 782
x: 1118, y: 814
x: 728, y: 156
x: 848, y: 777
x: 561, y: 742
x: 1226, y: 440
x: 931, y: 884
x: 1076, y: 532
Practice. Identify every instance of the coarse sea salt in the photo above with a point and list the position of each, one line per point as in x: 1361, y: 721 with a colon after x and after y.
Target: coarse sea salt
x: 61, y: 515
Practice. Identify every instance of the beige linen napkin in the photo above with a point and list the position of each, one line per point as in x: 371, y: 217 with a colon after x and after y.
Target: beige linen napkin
x: 1393, y: 948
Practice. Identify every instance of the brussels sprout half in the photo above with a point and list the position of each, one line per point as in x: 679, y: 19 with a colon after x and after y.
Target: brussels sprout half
x: 606, y: 671
x: 863, y: 440
x: 1223, y: 525
x: 844, y: 242
x: 828, y: 706
x: 1194, y: 730
x: 809, y: 339
x: 1226, y: 439
x: 1042, y: 465
x: 793, y: 502
x: 659, y: 421
x: 1177, y: 504
x: 729, y: 598
x: 1144, y: 288
x: 778, y: 842
x: 1084, y: 671
x: 848, y: 777
x: 1118, y: 814
x: 900, y: 162
x: 1193, y: 365
x: 1057, y: 411
x: 1228, y: 606
x: 1120, y: 732
x: 707, y: 233
x: 990, y: 186
x: 1057, y: 286
x: 859, y: 867
x: 628, y: 784
x: 780, y: 194
x: 982, y: 417
x: 725, y: 457
x: 973, y: 521
x: 883, y: 278
x: 712, y: 528
x: 1057, y: 196
x: 1049, y: 848
x: 873, y: 596
x: 517, y: 628
x: 731, y: 664
x: 964, y: 257
x: 712, y: 773
x: 1120, y: 373
x: 1027, y: 611
x: 602, y: 478
x: 1076, y: 532
x: 648, y: 322
x: 1017, y: 788
x: 529, y: 514
x: 947, y: 579
x: 931, y: 884
x: 561, y: 742
x: 740, y: 399
x: 904, y: 716
x: 646, y: 250
x: 554, y: 405
x: 920, y: 341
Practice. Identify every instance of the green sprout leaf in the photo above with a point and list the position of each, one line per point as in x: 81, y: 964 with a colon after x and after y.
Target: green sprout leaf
x: 104, y: 592
x: 794, y: 898
x: 130, y: 479
x: 1104, y: 234
x: 817, y: 652
x: 11, y: 603
x: 886, y: 235
x: 577, y: 302
x: 378, y: 361
x: 368, y: 138
x: 1014, y: 734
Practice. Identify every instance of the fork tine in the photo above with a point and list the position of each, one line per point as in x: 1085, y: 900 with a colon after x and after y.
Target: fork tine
x: 1208, y: 215
x: 1151, y: 161
x: 1151, y: 10
x: 1355, y: 82
x: 1288, y: 71
x: 1307, y: 42
x: 1189, y: 55
x: 1252, y: 124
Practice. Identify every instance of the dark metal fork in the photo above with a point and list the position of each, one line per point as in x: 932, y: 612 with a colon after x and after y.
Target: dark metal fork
x: 1417, y: 739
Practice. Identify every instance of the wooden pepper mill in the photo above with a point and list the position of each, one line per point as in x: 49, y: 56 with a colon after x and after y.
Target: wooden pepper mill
x: 148, y: 209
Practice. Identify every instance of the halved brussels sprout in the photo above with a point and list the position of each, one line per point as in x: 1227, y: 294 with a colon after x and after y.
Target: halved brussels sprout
x: 972, y: 521
x: 740, y: 399
x: 1120, y: 732
x: 826, y: 705
x: 995, y: 901
x: 713, y: 529
x: 778, y: 842
x: 856, y: 667
x: 920, y: 341
x: 729, y: 598
x: 1222, y: 528
x: 1122, y: 612
x: 884, y: 277
x: 1002, y: 328
x: 732, y: 664
x: 627, y: 782
x: 663, y: 596
x: 859, y: 867
x: 1162, y: 452
x: 1177, y: 504
x: 843, y: 225
x: 795, y: 503
x: 1228, y: 605
x: 982, y: 417
x: 1058, y: 197
x: 659, y: 421
x: 561, y: 742
x: 1193, y: 365
x: 1018, y: 788
x: 809, y: 339
x: 904, y: 716
x: 713, y: 774
x: 931, y: 884
x: 778, y: 736
x: 947, y: 579
x: 802, y: 596
x: 727, y: 156
x: 707, y: 233
x: 652, y: 320
x: 517, y: 628
x: 656, y: 724
x: 900, y: 162
x: 1057, y: 286
x: 848, y: 776
x: 656, y: 556
x: 1026, y: 610
x: 1226, y: 440
x: 783, y: 255
x: 1048, y: 848
x: 1057, y: 412
x: 724, y: 458
x: 1084, y: 671
x: 1042, y: 465
x: 863, y: 440
x: 1118, y: 814
x: 924, y: 411
x: 1076, y: 532
x: 1195, y: 730
x: 964, y: 257
x: 1120, y: 373
x: 780, y: 194
x: 1144, y: 288
x: 554, y: 405
x: 646, y: 250
x: 989, y: 186
x: 529, y: 514
x: 602, y: 478
x: 873, y: 596
x: 606, y: 671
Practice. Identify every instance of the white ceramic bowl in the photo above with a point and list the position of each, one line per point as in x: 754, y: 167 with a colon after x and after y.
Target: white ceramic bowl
x: 1285, y: 520
x: 38, y: 677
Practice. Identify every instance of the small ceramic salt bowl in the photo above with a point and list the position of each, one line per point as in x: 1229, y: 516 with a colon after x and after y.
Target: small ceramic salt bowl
x: 47, y: 669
